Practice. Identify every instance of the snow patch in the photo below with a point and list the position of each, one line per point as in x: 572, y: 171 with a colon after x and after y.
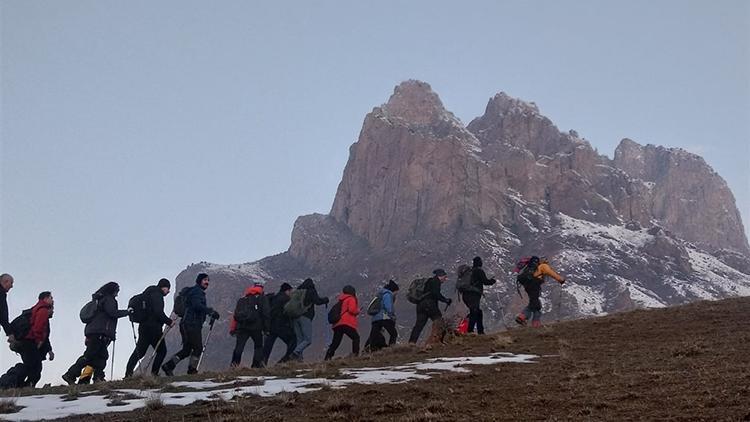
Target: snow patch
x: 53, y: 406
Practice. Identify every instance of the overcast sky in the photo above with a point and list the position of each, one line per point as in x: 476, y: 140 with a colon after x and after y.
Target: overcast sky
x: 139, y: 137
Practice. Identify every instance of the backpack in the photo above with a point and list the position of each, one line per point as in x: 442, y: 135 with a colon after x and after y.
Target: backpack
x: 247, y: 309
x: 417, y: 290
x: 376, y: 304
x: 179, y: 302
x: 526, y: 268
x: 334, y: 315
x: 139, y: 305
x: 21, y: 325
x: 89, y: 311
x: 463, y: 283
x: 295, y: 307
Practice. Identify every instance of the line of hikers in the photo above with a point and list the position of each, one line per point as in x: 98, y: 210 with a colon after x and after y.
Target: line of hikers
x: 286, y: 315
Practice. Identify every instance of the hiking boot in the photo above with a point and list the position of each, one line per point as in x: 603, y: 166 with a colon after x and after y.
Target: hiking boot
x: 168, y: 368
x: 521, y: 319
x: 68, y: 379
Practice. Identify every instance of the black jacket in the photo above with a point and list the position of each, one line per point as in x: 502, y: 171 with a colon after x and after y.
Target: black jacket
x: 4, y: 311
x: 105, y: 321
x: 311, y: 298
x: 279, y: 320
x: 196, y: 308
x: 432, y: 288
x: 479, y: 280
x: 155, y: 302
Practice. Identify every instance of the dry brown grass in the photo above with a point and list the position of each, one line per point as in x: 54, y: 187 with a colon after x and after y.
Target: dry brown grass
x: 8, y: 405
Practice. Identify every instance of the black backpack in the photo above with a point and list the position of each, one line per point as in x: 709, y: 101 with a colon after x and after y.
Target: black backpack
x: 139, y: 305
x: 526, y: 271
x: 247, y: 309
x: 334, y: 315
x: 179, y: 302
x: 21, y: 325
x: 463, y: 282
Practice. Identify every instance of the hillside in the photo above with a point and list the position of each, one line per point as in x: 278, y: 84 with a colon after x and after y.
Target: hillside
x: 681, y: 363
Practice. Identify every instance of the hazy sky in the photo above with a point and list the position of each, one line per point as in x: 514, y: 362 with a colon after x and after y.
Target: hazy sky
x: 139, y: 137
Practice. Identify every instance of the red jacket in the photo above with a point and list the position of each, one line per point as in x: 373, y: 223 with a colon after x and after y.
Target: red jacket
x: 349, y: 311
x: 39, y: 331
x: 252, y: 290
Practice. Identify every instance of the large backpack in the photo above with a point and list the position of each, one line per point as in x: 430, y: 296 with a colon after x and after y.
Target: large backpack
x: 416, y: 291
x: 21, y: 325
x: 247, y: 309
x: 139, y: 305
x: 463, y: 282
x: 376, y: 304
x: 295, y: 308
x: 89, y: 311
x: 526, y: 268
x: 179, y: 302
x: 334, y: 314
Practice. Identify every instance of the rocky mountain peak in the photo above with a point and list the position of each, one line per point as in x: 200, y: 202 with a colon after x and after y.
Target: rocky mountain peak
x: 502, y: 104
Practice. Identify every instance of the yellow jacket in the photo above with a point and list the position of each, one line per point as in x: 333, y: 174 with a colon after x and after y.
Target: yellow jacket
x: 544, y: 269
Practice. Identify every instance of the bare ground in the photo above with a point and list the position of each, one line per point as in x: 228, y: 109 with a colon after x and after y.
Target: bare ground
x: 679, y: 364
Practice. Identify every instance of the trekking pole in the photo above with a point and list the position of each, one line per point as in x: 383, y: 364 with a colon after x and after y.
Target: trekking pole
x: 559, y: 302
x: 132, y: 324
x: 112, y: 369
x: 208, y: 337
x: 158, y: 343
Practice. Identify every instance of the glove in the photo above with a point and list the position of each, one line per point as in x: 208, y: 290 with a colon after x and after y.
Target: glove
x: 492, y: 281
x: 51, y: 355
x: 215, y: 315
x: 131, y: 311
x: 448, y: 302
x: 327, y: 300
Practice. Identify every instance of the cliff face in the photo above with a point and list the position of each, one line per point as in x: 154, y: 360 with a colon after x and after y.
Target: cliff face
x: 651, y: 227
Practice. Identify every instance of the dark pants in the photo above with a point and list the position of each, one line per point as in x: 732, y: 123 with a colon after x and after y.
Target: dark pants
x: 286, y: 334
x: 534, y: 308
x: 338, y: 335
x: 425, y: 310
x: 148, y: 336
x: 376, y: 340
x: 192, y: 345
x: 242, y: 337
x: 476, y: 317
x: 32, y: 358
x: 95, y: 355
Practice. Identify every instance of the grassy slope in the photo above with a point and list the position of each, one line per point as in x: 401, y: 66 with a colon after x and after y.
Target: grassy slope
x: 684, y: 363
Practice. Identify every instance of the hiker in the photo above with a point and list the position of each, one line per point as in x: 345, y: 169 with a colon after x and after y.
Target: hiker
x: 31, y: 340
x: 191, y: 326
x: 472, y: 295
x: 531, y: 277
x: 427, y: 308
x: 251, y: 319
x: 281, y: 325
x: 347, y: 322
x: 99, y: 332
x: 36, y: 346
x: 385, y: 318
x: 6, y: 283
x: 303, y: 312
x: 150, y: 327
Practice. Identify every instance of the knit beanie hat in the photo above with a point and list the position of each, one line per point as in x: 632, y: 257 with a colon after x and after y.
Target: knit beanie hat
x: 477, y: 262
x: 392, y: 286
x: 164, y: 283
x: 285, y: 287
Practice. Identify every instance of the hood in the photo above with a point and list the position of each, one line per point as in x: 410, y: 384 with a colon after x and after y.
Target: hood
x: 343, y: 296
x: 254, y: 290
x: 307, y: 284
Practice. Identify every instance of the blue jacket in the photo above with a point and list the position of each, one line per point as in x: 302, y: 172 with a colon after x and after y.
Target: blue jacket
x: 387, y: 310
x: 195, y: 307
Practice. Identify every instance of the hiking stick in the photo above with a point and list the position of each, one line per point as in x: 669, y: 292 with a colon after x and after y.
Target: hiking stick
x: 112, y: 369
x: 559, y: 302
x: 158, y: 343
x: 208, y: 337
x: 132, y: 325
